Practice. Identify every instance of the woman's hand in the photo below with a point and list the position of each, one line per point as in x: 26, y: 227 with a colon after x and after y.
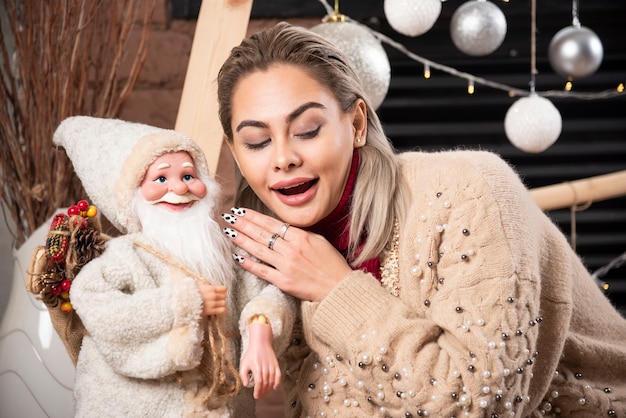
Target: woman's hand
x: 213, y: 298
x: 301, y: 263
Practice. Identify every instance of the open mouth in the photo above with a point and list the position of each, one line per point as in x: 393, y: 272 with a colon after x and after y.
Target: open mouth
x: 297, y: 189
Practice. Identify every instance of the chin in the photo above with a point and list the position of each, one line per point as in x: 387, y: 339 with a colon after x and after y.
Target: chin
x: 296, y: 218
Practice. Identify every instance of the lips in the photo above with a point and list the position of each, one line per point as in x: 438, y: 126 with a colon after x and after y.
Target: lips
x: 176, y: 207
x: 297, y: 189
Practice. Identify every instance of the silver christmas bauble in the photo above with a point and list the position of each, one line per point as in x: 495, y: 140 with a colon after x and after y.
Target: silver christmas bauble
x: 575, y: 52
x: 478, y: 27
x: 412, y: 17
x: 533, y: 123
x: 366, y: 54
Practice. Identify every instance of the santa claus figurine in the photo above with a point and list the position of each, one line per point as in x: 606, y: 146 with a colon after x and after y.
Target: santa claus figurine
x: 164, y: 305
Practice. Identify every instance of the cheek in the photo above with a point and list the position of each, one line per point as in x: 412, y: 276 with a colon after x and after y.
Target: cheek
x: 256, y: 181
x: 153, y: 191
x: 198, y: 189
x: 252, y: 169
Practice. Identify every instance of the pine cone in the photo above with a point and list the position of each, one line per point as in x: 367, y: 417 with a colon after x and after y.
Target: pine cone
x: 88, y: 244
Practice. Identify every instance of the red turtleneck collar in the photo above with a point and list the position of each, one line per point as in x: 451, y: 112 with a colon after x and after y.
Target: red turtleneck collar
x: 336, y: 226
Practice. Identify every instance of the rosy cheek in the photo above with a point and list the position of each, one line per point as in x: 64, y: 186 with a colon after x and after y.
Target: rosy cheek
x: 152, y: 191
x: 198, y: 189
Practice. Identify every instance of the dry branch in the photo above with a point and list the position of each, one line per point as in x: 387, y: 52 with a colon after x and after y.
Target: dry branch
x: 58, y: 58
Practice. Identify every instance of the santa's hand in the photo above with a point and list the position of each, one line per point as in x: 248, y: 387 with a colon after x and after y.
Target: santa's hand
x: 213, y: 298
x: 260, y: 361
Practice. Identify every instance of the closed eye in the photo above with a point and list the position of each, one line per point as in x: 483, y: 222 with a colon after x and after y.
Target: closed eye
x: 310, y: 134
x: 258, y: 145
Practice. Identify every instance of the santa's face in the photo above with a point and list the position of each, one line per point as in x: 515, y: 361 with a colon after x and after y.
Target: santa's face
x: 175, y: 205
x: 171, y: 182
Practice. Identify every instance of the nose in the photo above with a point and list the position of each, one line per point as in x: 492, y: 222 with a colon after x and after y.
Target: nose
x: 179, y: 187
x: 285, y: 156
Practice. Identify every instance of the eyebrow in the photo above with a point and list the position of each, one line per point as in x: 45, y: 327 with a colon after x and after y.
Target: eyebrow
x: 290, y: 117
x: 163, y: 165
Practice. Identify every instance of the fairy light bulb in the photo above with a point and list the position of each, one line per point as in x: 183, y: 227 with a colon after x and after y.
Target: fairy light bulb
x: 568, y: 86
x: 470, y: 87
x: 426, y: 71
x: 620, y: 88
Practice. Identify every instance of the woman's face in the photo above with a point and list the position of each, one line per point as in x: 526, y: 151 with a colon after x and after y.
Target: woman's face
x: 293, y: 143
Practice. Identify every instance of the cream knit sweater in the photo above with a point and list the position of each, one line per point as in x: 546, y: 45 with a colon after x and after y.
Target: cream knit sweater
x: 494, y: 316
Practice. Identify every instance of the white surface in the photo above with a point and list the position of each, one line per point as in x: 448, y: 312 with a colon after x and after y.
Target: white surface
x: 36, y: 374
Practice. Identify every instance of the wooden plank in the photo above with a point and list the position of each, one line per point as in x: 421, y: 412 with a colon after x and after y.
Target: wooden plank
x: 579, y: 192
x: 221, y: 25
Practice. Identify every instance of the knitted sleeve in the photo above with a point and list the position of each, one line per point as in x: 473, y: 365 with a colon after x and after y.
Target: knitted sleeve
x: 460, y: 339
x: 144, y: 325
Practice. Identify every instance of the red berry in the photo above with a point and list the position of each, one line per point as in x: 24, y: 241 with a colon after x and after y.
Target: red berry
x: 55, y: 290
x: 73, y: 210
x: 65, y: 285
x: 82, y: 205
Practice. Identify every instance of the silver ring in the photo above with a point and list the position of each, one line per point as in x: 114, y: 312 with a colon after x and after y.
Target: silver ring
x: 272, y: 241
x: 283, y: 230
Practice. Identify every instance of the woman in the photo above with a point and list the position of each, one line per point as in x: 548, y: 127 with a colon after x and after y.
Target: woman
x: 431, y: 283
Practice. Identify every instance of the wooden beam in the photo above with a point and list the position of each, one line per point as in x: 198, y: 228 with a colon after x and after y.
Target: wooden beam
x: 221, y: 25
x: 577, y: 192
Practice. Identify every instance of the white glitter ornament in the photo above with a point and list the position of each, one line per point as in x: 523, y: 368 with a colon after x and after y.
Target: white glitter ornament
x: 412, y: 17
x: 533, y: 123
x: 478, y: 27
x: 575, y: 52
x: 366, y: 54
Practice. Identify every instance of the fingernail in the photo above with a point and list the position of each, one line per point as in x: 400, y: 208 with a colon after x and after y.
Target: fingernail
x: 231, y: 219
x: 238, y: 258
x: 230, y: 233
x: 238, y: 211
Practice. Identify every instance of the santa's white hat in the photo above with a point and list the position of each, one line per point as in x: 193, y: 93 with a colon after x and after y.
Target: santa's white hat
x: 111, y: 156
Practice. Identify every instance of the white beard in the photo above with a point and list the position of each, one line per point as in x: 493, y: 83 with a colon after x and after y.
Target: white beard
x: 192, y: 237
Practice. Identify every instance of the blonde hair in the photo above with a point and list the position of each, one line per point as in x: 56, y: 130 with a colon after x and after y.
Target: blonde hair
x: 377, y: 179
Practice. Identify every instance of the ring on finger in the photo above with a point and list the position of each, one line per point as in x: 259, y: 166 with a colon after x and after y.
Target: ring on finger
x: 283, y: 230
x: 272, y: 241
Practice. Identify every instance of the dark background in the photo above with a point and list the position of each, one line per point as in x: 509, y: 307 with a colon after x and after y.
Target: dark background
x: 438, y: 113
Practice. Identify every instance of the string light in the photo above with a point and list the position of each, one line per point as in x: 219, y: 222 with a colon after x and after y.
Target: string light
x: 426, y: 71
x: 615, y: 263
x: 470, y: 86
x: 620, y: 87
x: 568, y: 86
x: 512, y: 91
